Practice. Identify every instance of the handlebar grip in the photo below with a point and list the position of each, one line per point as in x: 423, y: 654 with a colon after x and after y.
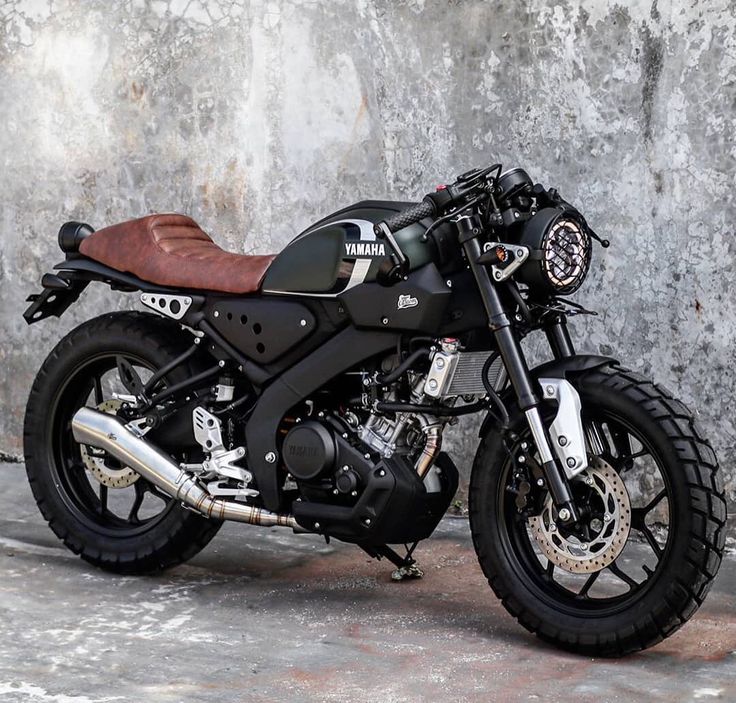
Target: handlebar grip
x: 411, y: 215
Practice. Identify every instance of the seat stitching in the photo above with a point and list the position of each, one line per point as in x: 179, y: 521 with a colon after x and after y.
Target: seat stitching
x: 152, y: 237
x: 211, y: 250
x: 208, y: 243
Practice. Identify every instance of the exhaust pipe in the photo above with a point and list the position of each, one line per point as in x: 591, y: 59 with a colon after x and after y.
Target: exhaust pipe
x: 107, y: 432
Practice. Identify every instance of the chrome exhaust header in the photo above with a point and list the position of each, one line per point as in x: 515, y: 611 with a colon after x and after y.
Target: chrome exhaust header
x: 107, y: 432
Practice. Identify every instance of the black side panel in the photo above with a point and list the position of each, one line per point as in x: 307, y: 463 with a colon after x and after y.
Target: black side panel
x: 344, y: 350
x: 262, y: 329
x: 465, y: 310
x: 331, y: 318
x: 417, y: 304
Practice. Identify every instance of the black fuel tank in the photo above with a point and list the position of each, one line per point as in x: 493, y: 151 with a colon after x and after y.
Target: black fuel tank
x: 341, y: 251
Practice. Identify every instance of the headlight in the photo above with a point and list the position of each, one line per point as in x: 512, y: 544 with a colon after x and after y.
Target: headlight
x: 561, y: 251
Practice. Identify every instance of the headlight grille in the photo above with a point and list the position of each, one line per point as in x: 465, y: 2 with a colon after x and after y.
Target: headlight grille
x: 566, y: 252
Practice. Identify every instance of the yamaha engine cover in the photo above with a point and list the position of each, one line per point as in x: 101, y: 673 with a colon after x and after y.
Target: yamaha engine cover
x: 309, y: 450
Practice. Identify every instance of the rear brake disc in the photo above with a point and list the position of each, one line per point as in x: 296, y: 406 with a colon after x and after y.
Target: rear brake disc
x: 95, y: 460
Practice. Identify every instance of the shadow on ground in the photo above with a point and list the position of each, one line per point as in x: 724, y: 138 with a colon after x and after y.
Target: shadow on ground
x: 265, y: 615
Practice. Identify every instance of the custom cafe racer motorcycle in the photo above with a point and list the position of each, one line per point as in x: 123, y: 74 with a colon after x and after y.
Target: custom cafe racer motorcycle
x: 311, y: 389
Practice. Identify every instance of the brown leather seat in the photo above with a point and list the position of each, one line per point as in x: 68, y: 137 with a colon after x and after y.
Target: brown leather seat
x: 172, y: 250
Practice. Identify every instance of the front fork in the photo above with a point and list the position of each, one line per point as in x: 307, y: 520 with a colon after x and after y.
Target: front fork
x: 522, y: 382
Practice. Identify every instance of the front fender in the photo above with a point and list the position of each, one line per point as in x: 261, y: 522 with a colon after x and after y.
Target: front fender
x: 566, y: 368
x: 572, y: 365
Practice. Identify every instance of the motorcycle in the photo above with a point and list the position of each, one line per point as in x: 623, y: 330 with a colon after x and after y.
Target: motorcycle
x: 310, y: 390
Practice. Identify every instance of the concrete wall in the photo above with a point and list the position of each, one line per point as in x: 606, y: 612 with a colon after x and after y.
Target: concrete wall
x: 258, y: 117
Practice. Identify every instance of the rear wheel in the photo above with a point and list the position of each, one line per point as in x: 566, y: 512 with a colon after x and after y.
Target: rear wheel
x: 651, y: 537
x: 101, y: 510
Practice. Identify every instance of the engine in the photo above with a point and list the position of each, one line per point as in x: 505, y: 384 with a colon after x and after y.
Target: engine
x: 363, y: 465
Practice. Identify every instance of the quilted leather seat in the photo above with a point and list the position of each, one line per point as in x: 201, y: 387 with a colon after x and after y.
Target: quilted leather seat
x: 172, y: 250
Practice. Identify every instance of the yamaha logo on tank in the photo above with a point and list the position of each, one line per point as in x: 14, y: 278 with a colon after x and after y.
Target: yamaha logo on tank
x: 355, y: 249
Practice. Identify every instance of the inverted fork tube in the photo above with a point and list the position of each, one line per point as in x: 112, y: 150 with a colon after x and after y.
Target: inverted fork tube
x: 500, y: 325
x: 516, y: 366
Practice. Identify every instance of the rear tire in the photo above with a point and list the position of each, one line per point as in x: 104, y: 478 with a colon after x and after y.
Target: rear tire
x: 52, y: 457
x: 671, y: 592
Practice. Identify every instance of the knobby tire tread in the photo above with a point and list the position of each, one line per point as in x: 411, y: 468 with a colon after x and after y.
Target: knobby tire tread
x: 190, y: 533
x: 679, y: 599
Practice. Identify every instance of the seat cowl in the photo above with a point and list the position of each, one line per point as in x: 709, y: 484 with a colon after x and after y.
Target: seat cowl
x: 72, y: 234
x: 172, y: 250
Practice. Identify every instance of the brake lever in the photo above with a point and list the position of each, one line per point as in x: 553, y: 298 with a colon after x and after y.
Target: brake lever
x: 454, y: 213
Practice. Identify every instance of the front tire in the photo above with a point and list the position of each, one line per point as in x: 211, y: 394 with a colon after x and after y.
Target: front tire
x: 675, y: 574
x: 150, y: 532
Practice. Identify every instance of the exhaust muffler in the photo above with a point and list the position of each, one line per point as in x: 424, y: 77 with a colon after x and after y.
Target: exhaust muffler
x: 107, y: 432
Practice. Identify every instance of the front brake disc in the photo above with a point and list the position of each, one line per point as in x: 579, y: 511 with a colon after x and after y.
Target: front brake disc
x: 570, y: 552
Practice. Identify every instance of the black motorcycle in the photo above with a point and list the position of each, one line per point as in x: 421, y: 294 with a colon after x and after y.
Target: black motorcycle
x: 311, y: 389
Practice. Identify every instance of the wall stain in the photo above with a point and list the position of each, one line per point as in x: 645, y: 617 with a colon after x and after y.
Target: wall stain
x: 137, y: 91
x: 360, y: 116
x: 652, y: 55
x: 658, y: 182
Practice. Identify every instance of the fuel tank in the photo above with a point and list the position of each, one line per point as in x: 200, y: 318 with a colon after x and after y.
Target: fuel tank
x: 341, y: 251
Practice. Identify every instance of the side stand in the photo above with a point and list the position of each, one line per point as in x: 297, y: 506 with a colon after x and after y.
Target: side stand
x: 406, y: 567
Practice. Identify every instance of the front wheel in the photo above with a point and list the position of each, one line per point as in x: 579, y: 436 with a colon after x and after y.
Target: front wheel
x: 651, y: 534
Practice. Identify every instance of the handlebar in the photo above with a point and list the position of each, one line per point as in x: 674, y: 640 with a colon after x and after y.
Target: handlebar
x: 411, y: 215
x: 433, y: 204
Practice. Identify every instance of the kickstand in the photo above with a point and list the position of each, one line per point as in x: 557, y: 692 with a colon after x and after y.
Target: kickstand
x: 406, y: 567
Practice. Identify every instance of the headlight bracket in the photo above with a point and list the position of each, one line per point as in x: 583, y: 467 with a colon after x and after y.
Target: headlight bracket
x: 517, y: 254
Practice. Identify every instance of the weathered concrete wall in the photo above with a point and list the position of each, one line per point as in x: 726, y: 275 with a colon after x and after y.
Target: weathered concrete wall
x: 259, y: 117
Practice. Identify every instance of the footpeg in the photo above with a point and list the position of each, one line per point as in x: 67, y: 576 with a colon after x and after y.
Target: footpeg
x: 221, y: 461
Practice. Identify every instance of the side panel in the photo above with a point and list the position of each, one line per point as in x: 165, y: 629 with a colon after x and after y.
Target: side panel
x: 417, y: 304
x: 465, y: 310
x: 263, y: 330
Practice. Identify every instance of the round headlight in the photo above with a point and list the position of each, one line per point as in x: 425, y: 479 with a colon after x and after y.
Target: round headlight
x: 566, y: 255
x: 561, y: 251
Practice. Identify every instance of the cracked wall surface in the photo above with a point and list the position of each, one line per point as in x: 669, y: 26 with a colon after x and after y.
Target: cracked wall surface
x: 257, y: 118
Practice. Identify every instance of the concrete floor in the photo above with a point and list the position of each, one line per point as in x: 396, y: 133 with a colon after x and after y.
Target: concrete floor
x: 265, y: 615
